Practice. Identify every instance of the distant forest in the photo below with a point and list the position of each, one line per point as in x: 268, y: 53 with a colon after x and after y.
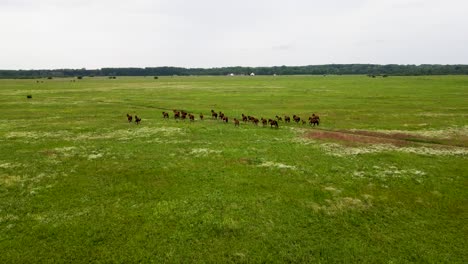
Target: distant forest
x: 333, y: 69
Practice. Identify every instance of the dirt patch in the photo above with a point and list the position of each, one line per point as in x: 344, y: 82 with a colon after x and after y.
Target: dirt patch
x: 399, y: 139
x: 49, y: 152
x: 349, y: 137
x: 396, y: 135
x: 345, y: 143
x: 245, y: 161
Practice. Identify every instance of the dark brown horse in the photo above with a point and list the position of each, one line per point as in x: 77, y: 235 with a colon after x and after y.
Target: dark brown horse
x: 313, y: 120
x: 244, y: 118
x: 214, y: 115
x: 273, y: 123
x: 296, y: 118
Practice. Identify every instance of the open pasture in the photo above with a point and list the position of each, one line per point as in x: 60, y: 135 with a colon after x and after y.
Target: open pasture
x: 383, y: 179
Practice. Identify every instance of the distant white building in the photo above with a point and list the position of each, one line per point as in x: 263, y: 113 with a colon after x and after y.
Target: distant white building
x: 252, y: 74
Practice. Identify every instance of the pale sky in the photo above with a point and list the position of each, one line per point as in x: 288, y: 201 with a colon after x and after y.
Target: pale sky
x: 47, y: 34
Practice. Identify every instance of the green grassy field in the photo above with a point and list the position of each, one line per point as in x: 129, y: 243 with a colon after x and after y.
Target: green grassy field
x: 382, y: 180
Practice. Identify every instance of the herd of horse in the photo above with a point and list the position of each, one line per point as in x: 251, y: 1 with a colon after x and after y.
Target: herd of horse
x: 274, y: 123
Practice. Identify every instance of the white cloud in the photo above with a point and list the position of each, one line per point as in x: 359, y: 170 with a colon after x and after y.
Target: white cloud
x: 208, y: 33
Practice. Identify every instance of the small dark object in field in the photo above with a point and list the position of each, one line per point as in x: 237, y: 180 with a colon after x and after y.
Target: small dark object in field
x: 191, y: 117
x: 255, y: 121
x: 244, y: 118
x: 79, y: 77
x: 156, y: 77
x: 273, y: 123
x: 49, y: 78
x: 137, y: 120
x: 214, y: 115
x: 129, y: 118
x: 314, y: 120
x: 296, y: 118
x: 29, y: 96
x: 236, y: 122
x: 201, y: 116
x: 287, y: 119
x: 384, y: 76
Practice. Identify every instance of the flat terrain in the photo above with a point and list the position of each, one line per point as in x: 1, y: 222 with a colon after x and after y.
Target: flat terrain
x: 383, y: 179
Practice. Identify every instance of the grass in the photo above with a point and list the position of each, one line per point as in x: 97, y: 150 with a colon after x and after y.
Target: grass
x: 80, y: 184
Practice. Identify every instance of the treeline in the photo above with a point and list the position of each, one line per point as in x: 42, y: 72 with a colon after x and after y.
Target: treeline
x: 335, y: 69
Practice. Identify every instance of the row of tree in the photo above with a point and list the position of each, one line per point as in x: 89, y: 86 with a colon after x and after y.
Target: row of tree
x: 336, y: 69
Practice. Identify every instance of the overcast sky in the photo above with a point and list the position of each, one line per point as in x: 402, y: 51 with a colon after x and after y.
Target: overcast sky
x: 44, y: 34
